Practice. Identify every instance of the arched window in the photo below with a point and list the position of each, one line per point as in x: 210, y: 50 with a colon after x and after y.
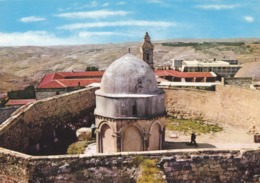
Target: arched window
x: 134, y: 110
x: 147, y: 56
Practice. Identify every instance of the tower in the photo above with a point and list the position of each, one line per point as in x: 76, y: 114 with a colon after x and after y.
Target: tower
x: 146, y: 50
x: 129, y: 110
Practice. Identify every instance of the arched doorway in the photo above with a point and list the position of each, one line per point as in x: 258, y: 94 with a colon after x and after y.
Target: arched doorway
x: 107, y: 141
x: 155, y: 137
x: 132, y: 139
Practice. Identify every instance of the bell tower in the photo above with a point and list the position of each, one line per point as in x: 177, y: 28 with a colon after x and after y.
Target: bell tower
x: 146, y: 50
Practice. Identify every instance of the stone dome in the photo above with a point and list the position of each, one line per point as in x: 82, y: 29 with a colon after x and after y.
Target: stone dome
x: 129, y: 75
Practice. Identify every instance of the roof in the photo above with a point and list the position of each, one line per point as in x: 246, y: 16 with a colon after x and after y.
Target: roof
x: 129, y: 75
x: 73, y: 79
x: 186, y: 84
x: 174, y: 73
x: 70, y: 79
x: 13, y: 102
x: 218, y: 63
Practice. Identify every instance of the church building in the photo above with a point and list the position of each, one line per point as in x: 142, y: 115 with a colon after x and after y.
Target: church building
x: 129, y: 108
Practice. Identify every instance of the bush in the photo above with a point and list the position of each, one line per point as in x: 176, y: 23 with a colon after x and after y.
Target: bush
x: 27, y: 93
x: 77, y: 147
x: 150, y: 173
x: 92, y: 68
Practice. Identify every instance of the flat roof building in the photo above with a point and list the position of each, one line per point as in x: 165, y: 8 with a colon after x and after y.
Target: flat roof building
x: 223, y: 68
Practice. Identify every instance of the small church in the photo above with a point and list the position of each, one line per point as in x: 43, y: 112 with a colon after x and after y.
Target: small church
x: 129, y: 105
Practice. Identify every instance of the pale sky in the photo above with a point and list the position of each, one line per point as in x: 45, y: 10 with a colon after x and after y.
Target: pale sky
x: 68, y: 22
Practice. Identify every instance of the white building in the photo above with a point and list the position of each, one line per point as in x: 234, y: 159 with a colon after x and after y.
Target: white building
x: 223, y: 68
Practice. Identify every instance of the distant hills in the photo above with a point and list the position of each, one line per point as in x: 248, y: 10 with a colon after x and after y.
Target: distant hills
x: 22, y: 66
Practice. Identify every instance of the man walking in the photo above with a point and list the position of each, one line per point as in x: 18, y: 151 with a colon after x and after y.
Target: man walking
x: 193, y: 139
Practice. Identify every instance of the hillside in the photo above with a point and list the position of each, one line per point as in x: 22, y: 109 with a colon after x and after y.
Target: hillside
x: 21, y: 66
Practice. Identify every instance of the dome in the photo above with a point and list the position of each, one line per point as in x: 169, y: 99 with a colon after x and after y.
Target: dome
x: 129, y: 75
x: 250, y: 70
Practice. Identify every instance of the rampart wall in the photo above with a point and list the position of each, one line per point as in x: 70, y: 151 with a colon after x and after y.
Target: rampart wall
x: 36, y: 119
x: 177, y: 166
x: 241, y: 81
x: 6, y: 112
x: 227, y: 105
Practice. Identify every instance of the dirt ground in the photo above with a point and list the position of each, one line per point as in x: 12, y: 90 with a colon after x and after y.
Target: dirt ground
x: 230, y: 138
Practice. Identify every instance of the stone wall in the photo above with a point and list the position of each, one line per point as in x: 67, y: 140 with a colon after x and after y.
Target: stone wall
x: 6, y: 112
x: 177, y: 166
x: 46, y: 94
x: 242, y: 81
x: 228, y: 104
x: 42, y: 117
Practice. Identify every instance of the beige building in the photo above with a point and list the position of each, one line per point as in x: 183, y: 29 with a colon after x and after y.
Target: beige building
x: 129, y: 108
x: 223, y: 68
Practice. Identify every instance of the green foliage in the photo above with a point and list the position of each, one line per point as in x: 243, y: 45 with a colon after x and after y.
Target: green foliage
x: 150, y: 173
x: 77, y: 147
x: 3, y: 101
x: 138, y: 160
x: 188, y: 126
x: 92, y: 68
x: 27, y: 93
x: 199, y: 46
x: 237, y: 47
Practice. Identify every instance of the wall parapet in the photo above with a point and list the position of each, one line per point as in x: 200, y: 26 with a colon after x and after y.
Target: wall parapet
x: 29, y: 121
x: 213, y: 165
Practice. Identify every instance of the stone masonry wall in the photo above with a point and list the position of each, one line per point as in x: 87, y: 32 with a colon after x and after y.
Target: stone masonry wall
x: 228, y: 104
x: 33, y: 120
x: 242, y: 82
x: 186, y: 166
x: 6, y: 112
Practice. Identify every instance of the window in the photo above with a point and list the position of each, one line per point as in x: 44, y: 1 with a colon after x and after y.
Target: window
x: 147, y: 56
x: 134, y: 110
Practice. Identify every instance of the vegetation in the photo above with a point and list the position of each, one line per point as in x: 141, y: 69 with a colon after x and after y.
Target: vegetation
x: 27, y: 93
x: 3, y: 101
x: 92, y: 68
x: 150, y: 173
x: 188, y: 126
x: 237, y: 47
x: 197, y: 45
x: 79, y: 147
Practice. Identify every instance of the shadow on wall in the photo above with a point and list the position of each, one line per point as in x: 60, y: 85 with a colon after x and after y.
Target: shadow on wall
x: 185, y: 145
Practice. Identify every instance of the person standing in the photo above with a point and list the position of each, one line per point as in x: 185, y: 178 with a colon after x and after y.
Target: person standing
x: 193, y: 139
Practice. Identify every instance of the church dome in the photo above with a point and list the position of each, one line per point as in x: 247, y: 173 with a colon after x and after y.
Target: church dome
x: 129, y: 75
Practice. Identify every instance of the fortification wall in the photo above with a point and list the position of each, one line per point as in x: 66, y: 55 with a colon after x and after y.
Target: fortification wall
x: 241, y: 81
x: 6, y: 112
x: 39, y: 118
x: 227, y: 105
x: 186, y: 166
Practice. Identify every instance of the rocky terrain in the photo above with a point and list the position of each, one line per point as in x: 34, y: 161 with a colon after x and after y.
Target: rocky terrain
x: 22, y: 66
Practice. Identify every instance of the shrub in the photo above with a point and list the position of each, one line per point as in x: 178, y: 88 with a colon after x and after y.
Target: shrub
x: 150, y: 173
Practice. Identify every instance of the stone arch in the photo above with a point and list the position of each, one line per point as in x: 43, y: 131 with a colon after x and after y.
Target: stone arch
x: 155, y: 139
x: 132, y: 139
x: 106, y: 139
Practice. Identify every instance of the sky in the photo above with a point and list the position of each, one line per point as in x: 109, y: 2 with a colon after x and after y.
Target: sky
x: 72, y: 22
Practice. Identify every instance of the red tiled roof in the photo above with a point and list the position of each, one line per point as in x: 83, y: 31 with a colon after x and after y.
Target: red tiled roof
x: 178, y: 74
x: 88, y: 74
x: 19, y: 102
x: 70, y: 79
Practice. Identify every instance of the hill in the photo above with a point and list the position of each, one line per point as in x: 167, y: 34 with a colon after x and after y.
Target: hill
x: 21, y: 66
